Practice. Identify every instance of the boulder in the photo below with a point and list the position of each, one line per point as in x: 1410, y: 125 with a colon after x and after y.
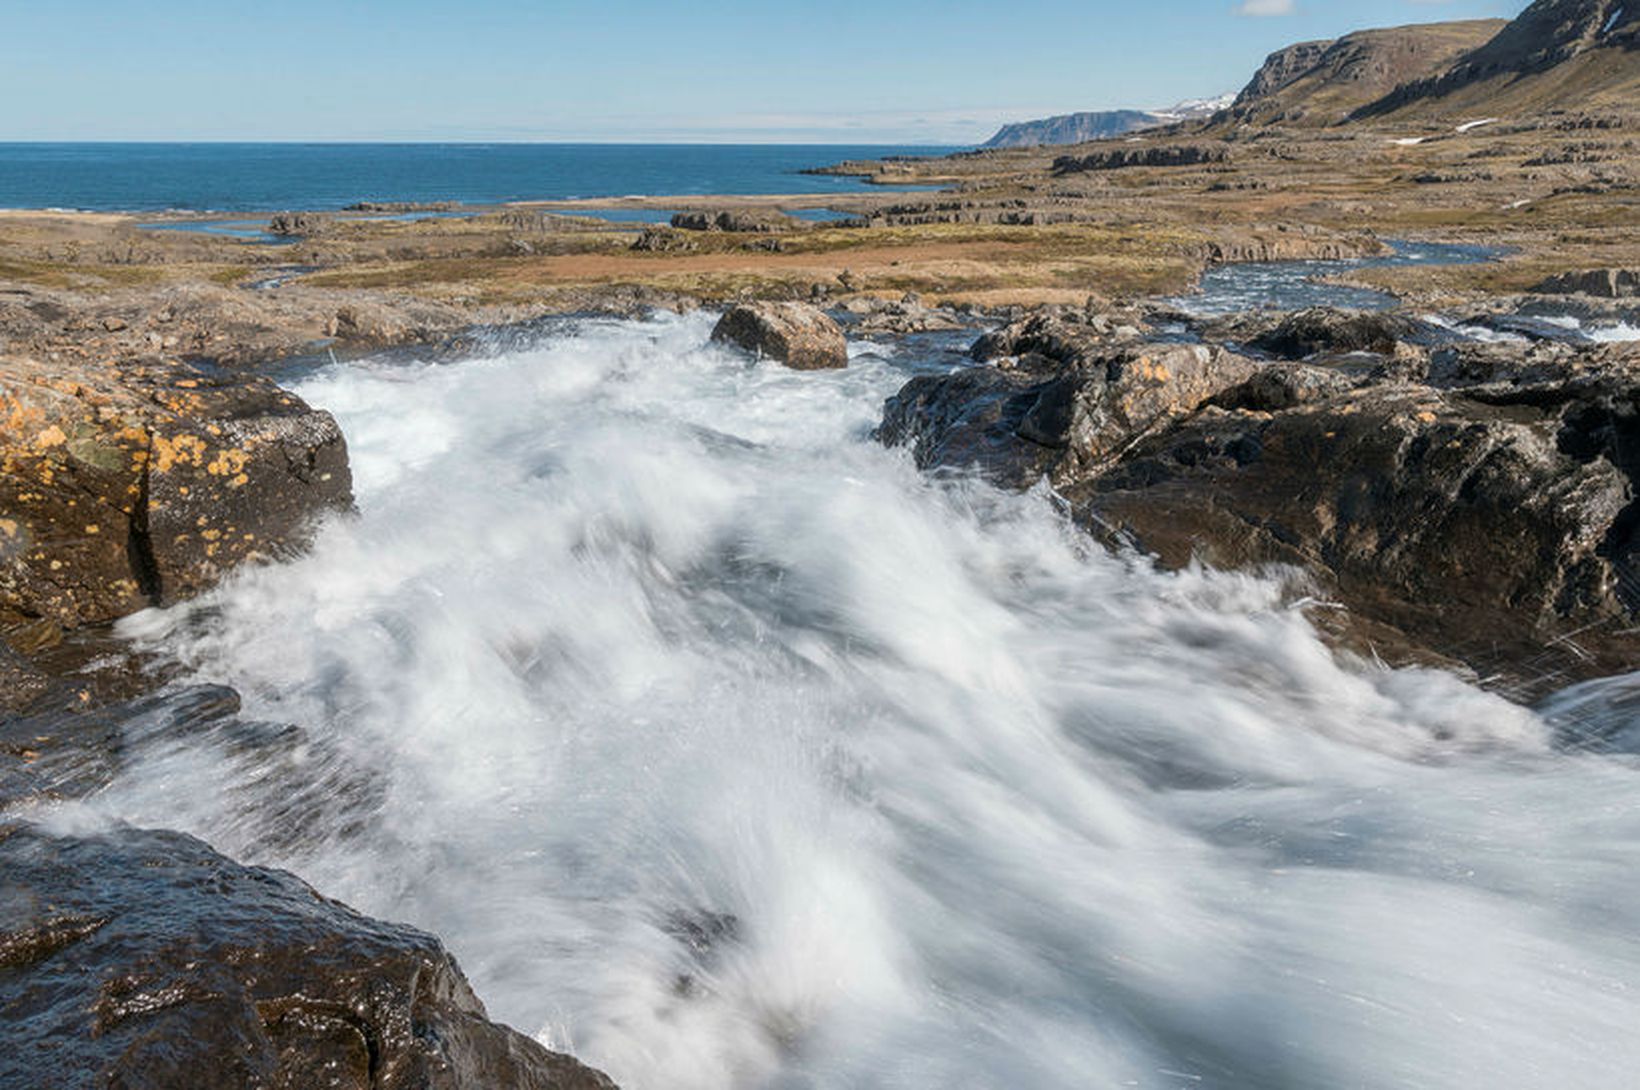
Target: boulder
x: 143, y: 959
x: 1064, y: 411
x: 1329, y: 331
x: 141, y: 482
x: 795, y: 334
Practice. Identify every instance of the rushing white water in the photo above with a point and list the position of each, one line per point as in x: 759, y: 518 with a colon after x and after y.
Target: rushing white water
x: 728, y: 750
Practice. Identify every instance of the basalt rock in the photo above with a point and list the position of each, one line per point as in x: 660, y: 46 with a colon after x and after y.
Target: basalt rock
x: 1327, y: 331
x: 141, y: 482
x: 1066, y: 408
x: 795, y: 334
x: 1162, y: 155
x: 1480, y: 501
x: 141, y: 959
x: 740, y: 221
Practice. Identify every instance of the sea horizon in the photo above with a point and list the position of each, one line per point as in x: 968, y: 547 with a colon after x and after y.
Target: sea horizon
x: 210, y: 177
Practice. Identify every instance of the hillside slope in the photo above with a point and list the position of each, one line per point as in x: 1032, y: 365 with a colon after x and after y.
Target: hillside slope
x: 1558, y: 54
x: 1323, y: 83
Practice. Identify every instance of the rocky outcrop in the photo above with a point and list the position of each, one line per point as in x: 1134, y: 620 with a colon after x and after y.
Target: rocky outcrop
x: 663, y: 240
x: 908, y: 314
x: 739, y: 221
x: 1328, y: 331
x: 1478, y: 500
x: 1600, y: 283
x: 795, y: 334
x: 140, y: 959
x: 1320, y: 83
x: 283, y: 317
x: 298, y: 224
x: 1158, y: 155
x: 1068, y: 402
x: 139, y: 482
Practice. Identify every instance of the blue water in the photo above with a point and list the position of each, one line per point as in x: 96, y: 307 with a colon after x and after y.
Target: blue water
x: 1294, y: 285
x: 271, y: 177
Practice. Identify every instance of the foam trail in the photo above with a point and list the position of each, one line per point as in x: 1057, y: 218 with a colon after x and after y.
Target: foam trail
x: 726, y: 748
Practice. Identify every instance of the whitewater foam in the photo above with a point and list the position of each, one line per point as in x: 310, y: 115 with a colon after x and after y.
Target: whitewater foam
x: 728, y: 750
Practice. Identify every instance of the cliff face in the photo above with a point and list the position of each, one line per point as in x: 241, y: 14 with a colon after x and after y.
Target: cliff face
x: 1076, y: 128
x: 1556, y: 54
x: 1322, y: 83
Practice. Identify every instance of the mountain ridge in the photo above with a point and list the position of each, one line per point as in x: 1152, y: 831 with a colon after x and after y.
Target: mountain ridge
x: 1089, y: 125
x: 1556, y: 53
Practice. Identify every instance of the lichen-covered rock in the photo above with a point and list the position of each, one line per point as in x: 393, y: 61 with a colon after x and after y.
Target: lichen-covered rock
x: 146, y: 961
x: 795, y: 334
x: 125, y: 485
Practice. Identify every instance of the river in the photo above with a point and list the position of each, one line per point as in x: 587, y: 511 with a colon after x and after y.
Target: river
x: 726, y: 749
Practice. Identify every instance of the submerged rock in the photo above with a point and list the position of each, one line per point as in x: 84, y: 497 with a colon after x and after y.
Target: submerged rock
x: 795, y: 334
x: 1481, y: 502
x: 141, y: 482
x: 141, y: 959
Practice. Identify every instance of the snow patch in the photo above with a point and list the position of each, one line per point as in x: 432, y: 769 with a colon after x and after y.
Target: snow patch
x: 1617, y: 17
x: 1469, y: 126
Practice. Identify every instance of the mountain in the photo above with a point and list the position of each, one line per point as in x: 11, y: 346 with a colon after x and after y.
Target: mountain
x: 1571, y: 54
x: 1072, y: 128
x: 1080, y: 128
x: 1323, y: 83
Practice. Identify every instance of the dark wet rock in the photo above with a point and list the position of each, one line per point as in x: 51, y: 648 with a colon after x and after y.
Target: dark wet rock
x: 1067, y: 407
x: 1479, y: 503
x: 141, y: 482
x: 68, y: 748
x: 795, y: 334
x: 1600, y: 283
x: 1463, y: 524
x: 140, y: 959
x: 1329, y: 331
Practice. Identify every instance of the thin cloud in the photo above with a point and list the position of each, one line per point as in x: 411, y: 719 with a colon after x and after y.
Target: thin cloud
x: 1266, y: 8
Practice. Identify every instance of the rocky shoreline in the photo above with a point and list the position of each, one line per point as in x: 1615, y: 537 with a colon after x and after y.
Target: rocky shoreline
x: 1440, y: 501
x: 1451, y: 483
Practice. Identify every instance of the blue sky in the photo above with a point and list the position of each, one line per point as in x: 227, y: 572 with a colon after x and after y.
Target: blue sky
x: 843, y: 71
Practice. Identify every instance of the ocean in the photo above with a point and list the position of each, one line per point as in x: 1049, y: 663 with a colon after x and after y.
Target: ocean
x: 273, y: 177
